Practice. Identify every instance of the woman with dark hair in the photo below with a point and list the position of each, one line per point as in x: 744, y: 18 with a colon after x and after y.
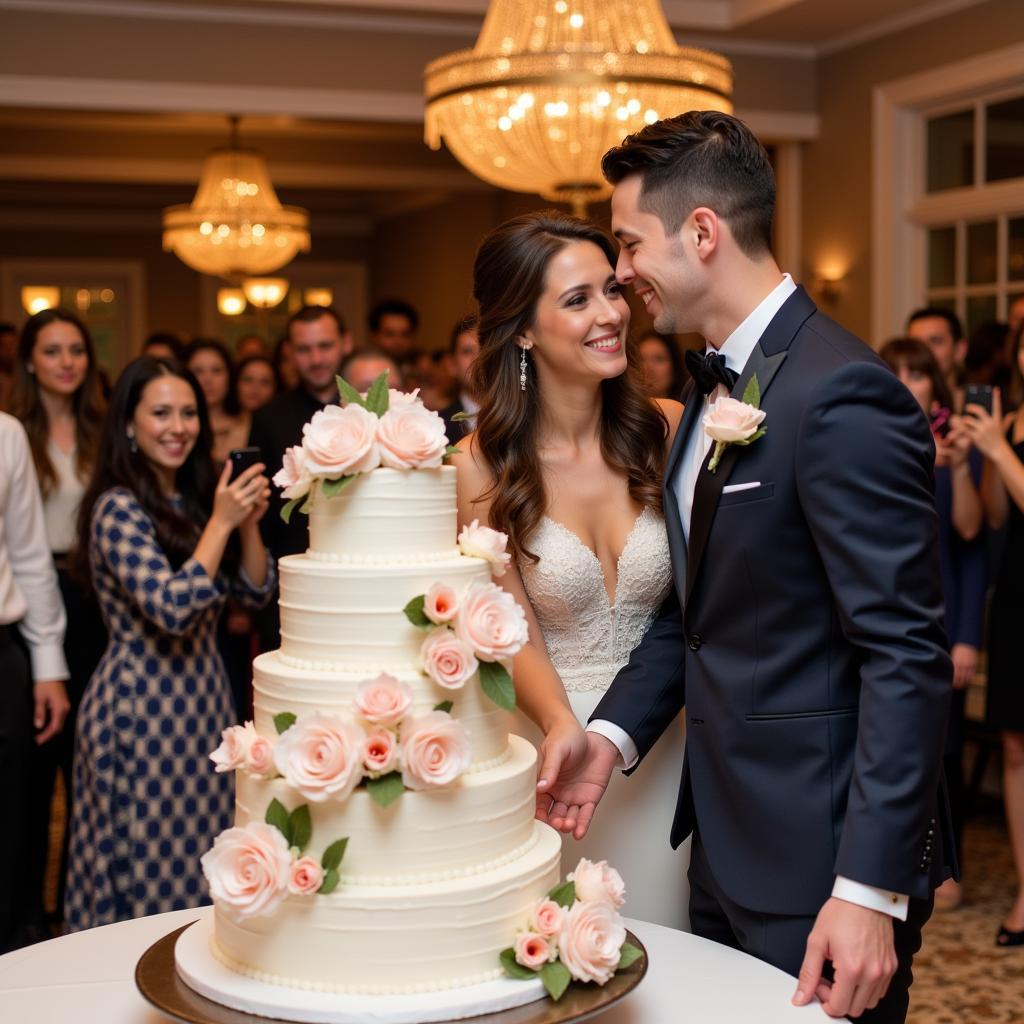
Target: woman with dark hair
x: 567, y: 460
x: 58, y: 397
x: 164, y: 540
x: 662, y: 364
x: 962, y: 558
x: 256, y: 383
x: 211, y: 365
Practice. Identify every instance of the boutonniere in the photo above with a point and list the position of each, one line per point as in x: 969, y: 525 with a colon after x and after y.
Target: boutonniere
x: 730, y: 422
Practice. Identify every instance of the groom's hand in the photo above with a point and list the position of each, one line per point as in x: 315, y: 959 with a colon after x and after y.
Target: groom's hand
x: 569, y: 789
x: 859, y: 942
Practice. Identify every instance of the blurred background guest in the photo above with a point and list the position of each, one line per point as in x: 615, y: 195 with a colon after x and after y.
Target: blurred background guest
x: 210, y: 364
x: 250, y: 345
x: 962, y: 557
x: 662, y: 364
x: 393, y: 324
x: 463, y: 348
x: 164, y: 540
x: 8, y: 347
x: 59, y: 400
x: 362, y: 367
x: 429, y: 374
x: 256, y: 383
x: 988, y: 356
x: 939, y: 328
x: 1015, y: 315
x: 162, y: 345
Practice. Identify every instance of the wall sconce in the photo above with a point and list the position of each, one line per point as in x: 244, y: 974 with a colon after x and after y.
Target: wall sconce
x: 265, y: 292
x: 318, y: 296
x: 37, y: 297
x: 230, y: 301
x: 828, y: 285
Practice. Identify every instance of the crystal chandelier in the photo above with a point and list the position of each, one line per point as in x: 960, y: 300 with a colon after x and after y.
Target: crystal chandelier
x: 235, y: 225
x: 550, y: 86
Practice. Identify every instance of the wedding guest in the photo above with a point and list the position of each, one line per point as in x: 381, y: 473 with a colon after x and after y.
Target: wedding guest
x: 250, y: 345
x: 1001, y: 440
x: 1015, y: 314
x: 962, y: 554
x: 988, y: 358
x: 463, y: 349
x: 163, y: 345
x: 393, y: 324
x: 362, y: 367
x: 940, y: 329
x: 663, y: 365
x: 59, y: 400
x: 8, y: 347
x: 164, y: 541
x: 210, y: 364
x: 256, y: 383
x: 282, y: 358
x: 33, y: 700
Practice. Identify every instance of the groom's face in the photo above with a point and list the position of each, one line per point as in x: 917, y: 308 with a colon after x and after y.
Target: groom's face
x: 655, y: 264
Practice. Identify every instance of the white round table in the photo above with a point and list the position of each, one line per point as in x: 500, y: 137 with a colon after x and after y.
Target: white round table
x: 89, y: 976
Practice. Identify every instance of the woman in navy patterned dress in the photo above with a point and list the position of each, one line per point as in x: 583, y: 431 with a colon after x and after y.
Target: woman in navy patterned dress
x: 167, y: 543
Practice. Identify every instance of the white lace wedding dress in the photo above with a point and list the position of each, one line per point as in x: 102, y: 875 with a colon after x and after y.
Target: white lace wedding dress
x: 588, y: 641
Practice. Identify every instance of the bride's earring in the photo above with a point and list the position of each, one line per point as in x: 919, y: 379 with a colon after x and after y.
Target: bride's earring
x: 131, y: 441
x: 522, y: 369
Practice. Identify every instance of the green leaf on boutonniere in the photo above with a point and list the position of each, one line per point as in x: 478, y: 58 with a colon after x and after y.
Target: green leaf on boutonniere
x: 377, y: 398
x: 628, y: 955
x: 497, y: 684
x: 333, y: 487
x: 348, y: 393
x: 416, y: 615
x: 332, y: 856
x: 753, y: 437
x: 283, y: 722
x: 445, y: 706
x: 556, y: 978
x: 512, y: 966
x: 386, y: 789
x: 289, y: 508
x: 277, y: 815
x: 752, y: 392
x: 300, y: 826
x: 564, y: 895
x: 330, y: 882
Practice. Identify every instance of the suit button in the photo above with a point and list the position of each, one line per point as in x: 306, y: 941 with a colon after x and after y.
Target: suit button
x: 695, y: 642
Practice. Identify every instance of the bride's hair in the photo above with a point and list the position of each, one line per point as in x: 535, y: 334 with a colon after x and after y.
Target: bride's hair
x: 508, y: 279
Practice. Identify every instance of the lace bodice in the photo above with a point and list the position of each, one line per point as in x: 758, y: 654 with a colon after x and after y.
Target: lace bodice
x: 587, y: 639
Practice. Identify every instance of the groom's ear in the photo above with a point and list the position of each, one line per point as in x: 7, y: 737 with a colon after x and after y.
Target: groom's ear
x: 704, y: 231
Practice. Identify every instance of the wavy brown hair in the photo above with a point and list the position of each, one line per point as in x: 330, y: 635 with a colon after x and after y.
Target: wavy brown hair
x: 88, y: 403
x: 508, y: 279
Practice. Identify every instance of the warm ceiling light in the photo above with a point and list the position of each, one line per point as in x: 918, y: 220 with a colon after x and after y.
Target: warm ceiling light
x: 37, y: 297
x: 235, y: 225
x: 318, y: 296
x: 265, y: 292
x: 230, y: 301
x: 548, y: 89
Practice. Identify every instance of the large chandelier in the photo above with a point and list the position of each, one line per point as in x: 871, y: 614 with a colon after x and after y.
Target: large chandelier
x: 552, y: 84
x: 235, y: 226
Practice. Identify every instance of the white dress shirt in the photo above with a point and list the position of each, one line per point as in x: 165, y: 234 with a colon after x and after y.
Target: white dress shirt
x: 29, y: 596
x: 736, y: 350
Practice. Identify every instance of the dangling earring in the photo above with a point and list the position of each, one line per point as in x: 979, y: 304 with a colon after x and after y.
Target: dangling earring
x: 131, y: 441
x: 522, y: 369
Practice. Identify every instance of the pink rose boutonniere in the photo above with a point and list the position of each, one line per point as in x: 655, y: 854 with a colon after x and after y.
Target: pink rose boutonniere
x: 730, y: 422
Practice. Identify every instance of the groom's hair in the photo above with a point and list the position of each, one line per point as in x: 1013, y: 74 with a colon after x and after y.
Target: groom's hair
x: 701, y: 158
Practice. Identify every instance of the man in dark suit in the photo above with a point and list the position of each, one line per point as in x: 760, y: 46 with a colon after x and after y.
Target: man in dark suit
x: 805, y: 632
x: 463, y: 350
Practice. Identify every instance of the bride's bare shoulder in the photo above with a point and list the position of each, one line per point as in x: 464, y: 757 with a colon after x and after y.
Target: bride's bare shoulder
x: 673, y: 412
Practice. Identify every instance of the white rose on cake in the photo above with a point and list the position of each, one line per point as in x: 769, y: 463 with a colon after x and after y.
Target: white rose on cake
x: 491, y: 622
x: 293, y: 477
x: 597, y: 882
x: 248, y: 869
x: 411, y: 436
x: 482, y: 542
x: 590, y: 941
x: 233, y: 752
x: 321, y: 756
x: 341, y: 441
x: 435, y: 750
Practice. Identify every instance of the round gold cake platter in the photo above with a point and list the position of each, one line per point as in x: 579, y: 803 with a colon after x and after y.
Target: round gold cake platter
x: 159, y: 982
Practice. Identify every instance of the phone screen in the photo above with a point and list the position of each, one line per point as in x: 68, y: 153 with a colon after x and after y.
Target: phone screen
x: 979, y: 394
x: 242, y: 458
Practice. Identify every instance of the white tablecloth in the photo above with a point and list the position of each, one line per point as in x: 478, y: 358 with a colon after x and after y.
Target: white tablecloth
x: 89, y: 977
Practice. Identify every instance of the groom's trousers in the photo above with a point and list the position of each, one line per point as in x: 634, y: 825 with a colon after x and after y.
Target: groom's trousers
x: 782, y: 940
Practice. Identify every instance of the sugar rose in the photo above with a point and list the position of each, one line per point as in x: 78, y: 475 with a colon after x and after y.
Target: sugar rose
x: 435, y: 750
x: 384, y: 700
x: 305, y: 876
x: 590, y: 941
x: 598, y: 882
x: 321, y: 756
x: 482, y: 542
x: 293, y: 476
x: 248, y: 869
x: 397, y: 398
x: 731, y: 421
x: 440, y: 603
x: 339, y: 441
x: 449, y: 661
x: 532, y: 951
x: 548, y: 918
x: 260, y: 759
x: 380, y: 752
x: 234, y: 748
x: 491, y: 622
x: 411, y: 436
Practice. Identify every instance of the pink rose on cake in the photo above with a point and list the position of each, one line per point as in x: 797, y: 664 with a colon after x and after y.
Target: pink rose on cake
x: 590, y: 941
x: 411, y: 436
x: 532, y: 951
x: 305, y: 876
x: 478, y: 541
x: 435, y: 750
x: 380, y: 753
x: 340, y: 441
x: 548, y: 918
x: 233, y: 752
x: 260, y: 757
x: 321, y: 756
x: 248, y: 869
x: 597, y: 882
x: 491, y: 622
x: 293, y: 477
x: 440, y: 603
x: 384, y: 700
x: 449, y: 661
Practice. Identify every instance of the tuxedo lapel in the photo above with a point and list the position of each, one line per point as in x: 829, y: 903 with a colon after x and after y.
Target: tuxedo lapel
x: 692, y: 402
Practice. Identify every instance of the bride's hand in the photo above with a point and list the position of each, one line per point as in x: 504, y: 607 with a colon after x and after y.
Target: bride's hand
x: 564, y: 748
x: 570, y: 787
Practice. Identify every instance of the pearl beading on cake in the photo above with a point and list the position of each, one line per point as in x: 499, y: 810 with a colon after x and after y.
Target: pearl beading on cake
x: 349, y: 668
x: 494, y: 762
x: 428, y: 558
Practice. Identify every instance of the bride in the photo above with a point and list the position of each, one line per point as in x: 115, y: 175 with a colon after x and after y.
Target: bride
x: 567, y: 460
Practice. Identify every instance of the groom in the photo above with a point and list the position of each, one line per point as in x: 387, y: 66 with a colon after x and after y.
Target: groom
x: 805, y: 633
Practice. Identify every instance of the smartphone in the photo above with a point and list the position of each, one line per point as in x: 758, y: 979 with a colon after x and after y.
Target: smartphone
x: 979, y: 394
x: 940, y: 422
x: 242, y: 458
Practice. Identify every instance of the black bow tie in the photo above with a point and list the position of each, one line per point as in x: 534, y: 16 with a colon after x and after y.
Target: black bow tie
x: 708, y: 370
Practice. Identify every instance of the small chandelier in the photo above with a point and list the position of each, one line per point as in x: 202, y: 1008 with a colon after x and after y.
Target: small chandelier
x: 549, y: 87
x: 235, y: 225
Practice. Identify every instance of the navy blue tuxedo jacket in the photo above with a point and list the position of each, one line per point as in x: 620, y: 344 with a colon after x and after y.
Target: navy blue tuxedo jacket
x: 805, y: 634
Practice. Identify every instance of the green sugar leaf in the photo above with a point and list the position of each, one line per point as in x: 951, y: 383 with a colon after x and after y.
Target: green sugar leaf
x: 333, y: 855
x: 445, y: 706
x: 300, y: 826
x: 289, y: 507
x: 556, y: 978
x: 330, y: 883
x: 333, y: 487
x: 564, y: 895
x: 513, y: 968
x: 386, y: 789
x: 277, y: 815
x: 497, y: 684
x: 416, y: 615
x: 283, y: 722
x: 348, y: 393
x: 377, y: 398
x: 628, y: 955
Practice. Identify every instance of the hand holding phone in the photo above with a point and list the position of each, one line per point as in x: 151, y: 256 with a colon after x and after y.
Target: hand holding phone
x: 978, y: 394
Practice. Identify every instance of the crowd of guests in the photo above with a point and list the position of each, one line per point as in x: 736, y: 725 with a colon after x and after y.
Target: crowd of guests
x: 137, y: 572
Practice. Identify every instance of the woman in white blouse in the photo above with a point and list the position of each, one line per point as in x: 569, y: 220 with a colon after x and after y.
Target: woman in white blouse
x: 58, y: 397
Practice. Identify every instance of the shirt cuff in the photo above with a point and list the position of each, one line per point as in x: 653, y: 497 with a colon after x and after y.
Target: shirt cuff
x: 628, y: 755
x: 894, y: 904
x: 48, y: 662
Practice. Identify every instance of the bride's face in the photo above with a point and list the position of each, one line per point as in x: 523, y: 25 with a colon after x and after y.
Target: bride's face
x: 582, y: 316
